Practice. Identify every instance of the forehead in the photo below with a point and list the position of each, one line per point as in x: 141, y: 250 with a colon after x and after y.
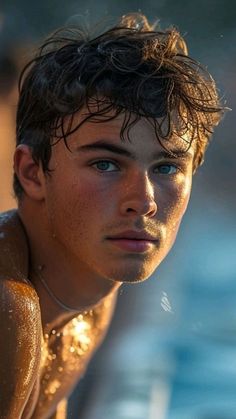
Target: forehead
x: 138, y: 133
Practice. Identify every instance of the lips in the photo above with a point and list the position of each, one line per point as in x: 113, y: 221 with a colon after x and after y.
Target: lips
x: 133, y: 241
x: 134, y: 235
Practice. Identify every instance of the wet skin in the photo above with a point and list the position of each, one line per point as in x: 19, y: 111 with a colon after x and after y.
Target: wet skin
x: 40, y: 362
x: 99, y: 188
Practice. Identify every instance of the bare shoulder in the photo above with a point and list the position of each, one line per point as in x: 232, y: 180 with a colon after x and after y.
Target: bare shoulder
x: 19, y: 304
x: 19, y: 309
x: 20, y: 320
x: 13, y: 246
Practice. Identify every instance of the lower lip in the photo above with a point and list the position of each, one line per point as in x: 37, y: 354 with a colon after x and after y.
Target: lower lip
x: 138, y: 246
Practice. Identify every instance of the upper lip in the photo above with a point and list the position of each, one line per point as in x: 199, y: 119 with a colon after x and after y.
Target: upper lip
x: 132, y: 234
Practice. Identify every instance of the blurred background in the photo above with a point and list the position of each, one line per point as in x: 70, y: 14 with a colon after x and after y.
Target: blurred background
x: 171, y: 350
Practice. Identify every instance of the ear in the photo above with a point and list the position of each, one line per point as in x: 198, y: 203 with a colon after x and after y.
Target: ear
x: 29, y: 173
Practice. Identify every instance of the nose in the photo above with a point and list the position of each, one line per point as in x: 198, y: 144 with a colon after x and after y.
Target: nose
x: 139, y: 196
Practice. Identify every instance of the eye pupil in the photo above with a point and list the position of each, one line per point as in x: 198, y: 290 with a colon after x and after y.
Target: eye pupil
x: 165, y: 169
x: 103, y: 165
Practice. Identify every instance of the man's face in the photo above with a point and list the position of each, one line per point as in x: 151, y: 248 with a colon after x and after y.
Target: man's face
x: 104, y: 187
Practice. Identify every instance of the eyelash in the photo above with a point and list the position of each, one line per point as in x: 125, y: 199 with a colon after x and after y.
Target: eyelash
x: 116, y: 164
x: 177, y: 169
x: 105, y: 161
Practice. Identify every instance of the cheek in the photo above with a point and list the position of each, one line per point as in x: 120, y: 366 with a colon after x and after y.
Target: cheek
x: 183, y: 191
x: 177, y: 202
x: 83, y: 205
x: 91, y: 199
x: 180, y: 193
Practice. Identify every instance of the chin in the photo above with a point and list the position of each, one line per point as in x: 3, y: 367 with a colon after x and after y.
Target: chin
x: 133, y: 275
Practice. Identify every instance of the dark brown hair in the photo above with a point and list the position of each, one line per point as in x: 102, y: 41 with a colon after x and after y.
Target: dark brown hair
x: 132, y: 68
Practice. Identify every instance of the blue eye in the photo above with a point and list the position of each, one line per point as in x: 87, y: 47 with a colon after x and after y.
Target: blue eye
x: 167, y: 169
x: 105, y: 166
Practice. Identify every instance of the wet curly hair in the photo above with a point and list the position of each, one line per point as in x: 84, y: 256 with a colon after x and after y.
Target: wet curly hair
x: 134, y: 69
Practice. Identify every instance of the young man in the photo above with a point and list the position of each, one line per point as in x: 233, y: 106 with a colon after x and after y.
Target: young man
x: 109, y: 132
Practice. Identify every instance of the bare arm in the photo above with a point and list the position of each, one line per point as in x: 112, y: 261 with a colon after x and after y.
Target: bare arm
x: 20, y: 336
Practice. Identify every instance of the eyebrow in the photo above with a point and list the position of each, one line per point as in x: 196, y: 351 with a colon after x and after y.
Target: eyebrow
x: 103, y: 145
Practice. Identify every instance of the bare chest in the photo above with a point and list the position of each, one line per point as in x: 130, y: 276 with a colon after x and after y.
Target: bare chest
x: 65, y: 354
